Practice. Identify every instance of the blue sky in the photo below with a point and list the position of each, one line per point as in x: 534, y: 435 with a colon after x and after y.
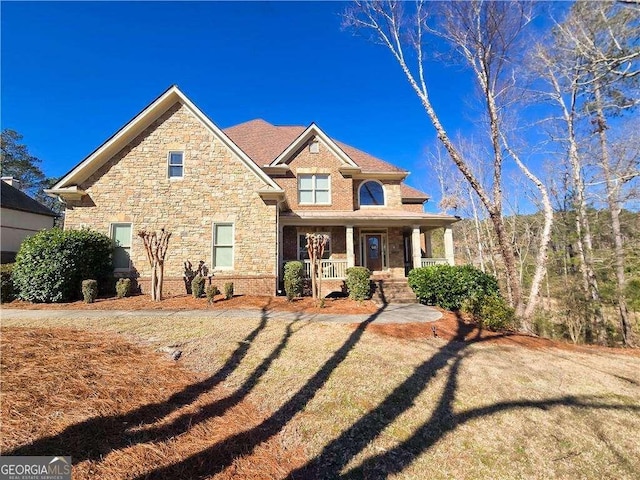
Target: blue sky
x: 75, y: 72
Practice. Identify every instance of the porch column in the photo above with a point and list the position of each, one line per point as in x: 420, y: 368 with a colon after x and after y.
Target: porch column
x: 415, y: 247
x: 427, y: 244
x: 448, y: 245
x: 351, y: 257
x: 280, y: 250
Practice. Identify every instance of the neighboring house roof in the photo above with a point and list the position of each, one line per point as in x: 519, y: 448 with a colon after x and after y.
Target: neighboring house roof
x: 14, y: 199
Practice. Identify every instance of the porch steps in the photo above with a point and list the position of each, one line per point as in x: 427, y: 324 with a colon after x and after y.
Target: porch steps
x: 393, y: 291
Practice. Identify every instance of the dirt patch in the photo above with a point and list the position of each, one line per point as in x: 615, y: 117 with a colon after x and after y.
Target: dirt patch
x: 123, y: 411
x: 336, y: 306
x: 457, y: 327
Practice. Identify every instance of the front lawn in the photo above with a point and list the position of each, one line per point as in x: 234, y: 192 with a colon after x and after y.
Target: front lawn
x: 276, y: 398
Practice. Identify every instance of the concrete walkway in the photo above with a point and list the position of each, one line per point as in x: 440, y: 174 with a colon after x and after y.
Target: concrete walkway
x: 392, y: 313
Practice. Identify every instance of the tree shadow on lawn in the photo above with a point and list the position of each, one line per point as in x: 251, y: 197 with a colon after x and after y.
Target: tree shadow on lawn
x: 339, y: 452
x: 96, y: 437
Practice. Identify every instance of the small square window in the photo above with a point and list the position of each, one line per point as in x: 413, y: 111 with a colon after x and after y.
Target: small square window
x: 176, y: 165
x: 314, y: 189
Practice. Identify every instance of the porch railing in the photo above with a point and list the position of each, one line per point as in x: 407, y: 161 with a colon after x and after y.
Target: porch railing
x: 331, y: 269
x: 429, y: 262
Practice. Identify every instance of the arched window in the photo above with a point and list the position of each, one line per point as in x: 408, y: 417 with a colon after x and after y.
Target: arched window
x: 371, y: 193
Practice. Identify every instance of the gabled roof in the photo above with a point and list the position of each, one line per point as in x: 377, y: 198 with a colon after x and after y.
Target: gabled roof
x: 265, y: 142
x: 134, y: 127
x: 14, y: 199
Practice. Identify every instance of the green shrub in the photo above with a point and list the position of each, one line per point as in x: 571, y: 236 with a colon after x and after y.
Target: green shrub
x: 89, y: 290
x: 212, y: 291
x: 7, y: 292
x: 491, y: 312
x: 51, y: 264
x: 123, y: 287
x: 358, y: 283
x: 449, y: 286
x: 197, y: 286
x: 228, y: 290
x: 293, y: 279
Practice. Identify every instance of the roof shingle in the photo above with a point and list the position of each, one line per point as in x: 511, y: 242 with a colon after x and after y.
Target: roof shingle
x: 14, y: 199
x: 264, y: 142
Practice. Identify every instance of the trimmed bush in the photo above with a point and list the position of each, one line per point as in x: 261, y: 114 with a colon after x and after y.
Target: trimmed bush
x: 358, y: 283
x: 197, y: 286
x: 293, y: 279
x: 123, y: 287
x: 449, y: 286
x: 212, y: 291
x: 228, y: 290
x: 7, y: 292
x: 491, y: 312
x: 51, y: 264
x: 89, y: 290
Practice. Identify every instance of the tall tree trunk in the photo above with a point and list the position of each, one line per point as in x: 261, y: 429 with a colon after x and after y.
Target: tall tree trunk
x: 476, y: 223
x: 583, y: 229
x: 613, y: 201
x: 545, y: 237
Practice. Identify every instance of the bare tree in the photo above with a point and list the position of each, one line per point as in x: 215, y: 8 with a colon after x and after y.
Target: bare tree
x: 156, y: 247
x: 316, y: 244
x: 598, y: 46
x: 485, y: 37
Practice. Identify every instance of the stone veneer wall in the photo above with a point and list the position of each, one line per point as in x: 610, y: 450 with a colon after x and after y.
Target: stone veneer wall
x: 133, y: 186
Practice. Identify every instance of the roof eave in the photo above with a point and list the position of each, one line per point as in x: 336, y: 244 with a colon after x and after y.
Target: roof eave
x: 364, y: 175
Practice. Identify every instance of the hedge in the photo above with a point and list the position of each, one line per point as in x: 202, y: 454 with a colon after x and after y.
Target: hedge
x: 449, y: 286
x: 51, y: 264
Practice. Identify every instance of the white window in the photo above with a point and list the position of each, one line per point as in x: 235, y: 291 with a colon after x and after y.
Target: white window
x: 121, y: 237
x: 371, y: 194
x: 314, y: 189
x: 176, y: 164
x: 223, y: 246
x: 303, y: 253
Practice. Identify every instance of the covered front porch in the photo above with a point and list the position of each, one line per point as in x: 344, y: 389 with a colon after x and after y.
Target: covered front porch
x: 388, y: 247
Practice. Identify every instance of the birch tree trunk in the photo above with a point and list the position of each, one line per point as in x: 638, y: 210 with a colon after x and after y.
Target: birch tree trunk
x: 613, y: 201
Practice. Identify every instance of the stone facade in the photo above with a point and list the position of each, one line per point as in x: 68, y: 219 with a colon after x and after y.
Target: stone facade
x: 217, y: 186
x: 133, y: 187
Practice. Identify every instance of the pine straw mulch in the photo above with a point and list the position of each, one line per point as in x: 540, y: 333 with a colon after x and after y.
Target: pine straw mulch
x: 338, y: 306
x: 123, y: 411
x: 455, y: 326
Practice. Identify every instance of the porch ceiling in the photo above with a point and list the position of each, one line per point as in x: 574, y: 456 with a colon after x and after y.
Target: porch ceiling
x: 366, y: 217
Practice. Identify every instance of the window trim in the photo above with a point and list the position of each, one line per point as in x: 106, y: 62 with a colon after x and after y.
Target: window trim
x: 384, y: 194
x: 169, y: 165
x: 314, y: 188
x: 214, y: 245
x: 304, y: 234
x: 113, y: 241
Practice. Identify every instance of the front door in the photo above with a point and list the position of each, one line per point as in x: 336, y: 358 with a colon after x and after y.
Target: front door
x: 373, y: 252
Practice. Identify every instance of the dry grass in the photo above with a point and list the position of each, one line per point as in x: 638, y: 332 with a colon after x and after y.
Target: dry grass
x: 368, y: 405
